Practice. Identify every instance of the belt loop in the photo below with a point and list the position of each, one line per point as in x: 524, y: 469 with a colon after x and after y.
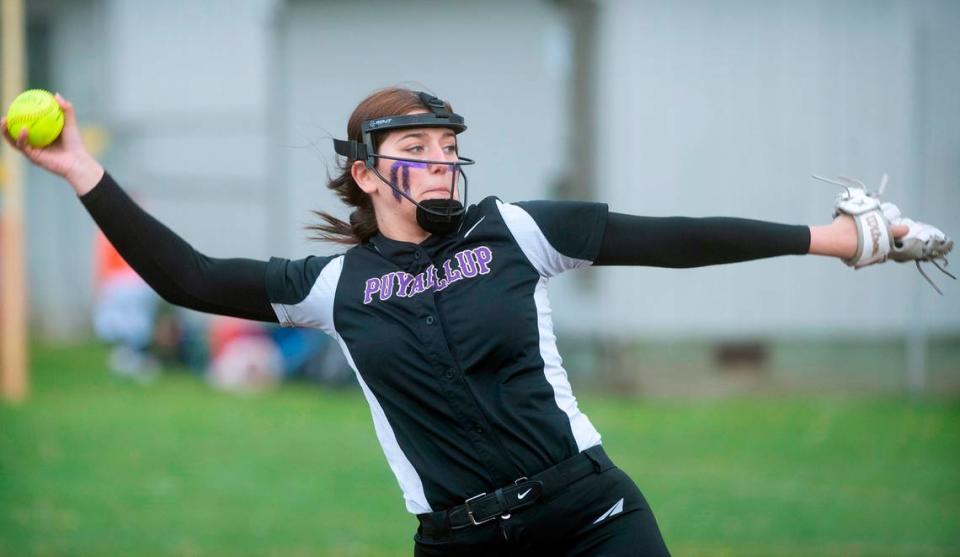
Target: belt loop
x: 597, y: 464
x: 502, y: 501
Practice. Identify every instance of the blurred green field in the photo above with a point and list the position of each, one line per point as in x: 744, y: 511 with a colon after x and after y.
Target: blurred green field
x: 92, y: 465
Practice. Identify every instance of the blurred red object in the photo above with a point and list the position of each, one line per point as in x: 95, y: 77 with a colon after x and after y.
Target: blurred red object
x: 224, y: 330
x: 108, y: 264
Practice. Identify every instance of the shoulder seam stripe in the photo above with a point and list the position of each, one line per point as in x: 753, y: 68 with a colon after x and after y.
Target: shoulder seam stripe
x: 474, y: 226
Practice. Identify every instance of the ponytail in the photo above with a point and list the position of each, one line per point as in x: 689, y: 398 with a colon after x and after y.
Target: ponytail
x: 363, y: 220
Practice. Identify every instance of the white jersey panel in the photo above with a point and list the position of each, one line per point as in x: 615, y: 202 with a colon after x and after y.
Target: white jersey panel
x: 316, y: 309
x: 407, y: 476
x: 545, y: 259
x: 583, y: 431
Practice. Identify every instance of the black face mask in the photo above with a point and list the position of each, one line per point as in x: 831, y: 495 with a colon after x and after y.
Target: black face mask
x: 436, y: 216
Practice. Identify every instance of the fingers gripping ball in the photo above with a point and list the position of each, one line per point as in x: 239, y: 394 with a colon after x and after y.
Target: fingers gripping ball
x: 38, y: 111
x: 923, y: 242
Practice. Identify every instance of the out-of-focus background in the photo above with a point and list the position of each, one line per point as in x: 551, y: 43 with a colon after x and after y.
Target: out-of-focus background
x: 788, y: 406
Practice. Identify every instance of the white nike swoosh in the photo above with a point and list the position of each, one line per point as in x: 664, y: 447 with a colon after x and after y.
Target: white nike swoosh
x: 474, y: 226
x: 617, y: 508
x: 524, y: 494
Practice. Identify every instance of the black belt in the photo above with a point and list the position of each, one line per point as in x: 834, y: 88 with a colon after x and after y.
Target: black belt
x: 522, y: 493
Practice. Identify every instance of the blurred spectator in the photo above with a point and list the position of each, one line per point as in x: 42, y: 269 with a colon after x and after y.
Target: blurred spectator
x: 311, y: 355
x: 124, y: 311
x: 234, y: 354
x: 251, y: 356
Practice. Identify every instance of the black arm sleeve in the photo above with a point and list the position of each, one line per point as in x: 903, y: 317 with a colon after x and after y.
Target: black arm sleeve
x: 680, y: 242
x: 179, y: 273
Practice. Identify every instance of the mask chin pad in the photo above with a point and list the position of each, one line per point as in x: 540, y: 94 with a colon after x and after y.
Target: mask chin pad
x: 444, y: 216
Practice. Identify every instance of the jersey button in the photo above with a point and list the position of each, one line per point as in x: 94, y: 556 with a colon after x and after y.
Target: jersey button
x: 430, y: 320
x: 416, y: 254
x: 449, y: 374
x: 477, y: 429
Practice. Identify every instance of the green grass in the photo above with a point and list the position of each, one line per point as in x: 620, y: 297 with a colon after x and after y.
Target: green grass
x: 91, y: 465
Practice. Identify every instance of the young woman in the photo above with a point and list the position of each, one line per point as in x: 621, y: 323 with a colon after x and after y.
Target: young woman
x: 442, y: 312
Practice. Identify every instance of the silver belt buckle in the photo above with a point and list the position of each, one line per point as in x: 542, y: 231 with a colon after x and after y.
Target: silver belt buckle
x: 466, y: 505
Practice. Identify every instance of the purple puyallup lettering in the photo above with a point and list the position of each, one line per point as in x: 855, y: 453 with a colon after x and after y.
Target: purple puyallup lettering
x: 466, y: 262
x: 439, y: 283
x: 417, y: 287
x: 429, y: 277
x: 484, y: 257
x: 373, y: 284
x: 403, y: 280
x: 387, y: 289
x: 453, y: 275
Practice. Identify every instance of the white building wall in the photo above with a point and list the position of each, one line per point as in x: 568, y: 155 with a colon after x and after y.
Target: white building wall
x: 180, y: 88
x: 190, y: 116
x: 726, y: 108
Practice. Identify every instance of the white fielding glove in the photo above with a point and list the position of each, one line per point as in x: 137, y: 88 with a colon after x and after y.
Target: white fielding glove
x: 875, y: 243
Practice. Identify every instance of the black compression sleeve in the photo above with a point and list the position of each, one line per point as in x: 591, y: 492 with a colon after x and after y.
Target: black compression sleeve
x: 179, y: 273
x: 695, y: 242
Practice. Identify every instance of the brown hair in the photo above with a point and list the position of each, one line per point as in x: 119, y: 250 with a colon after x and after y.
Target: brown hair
x: 390, y: 101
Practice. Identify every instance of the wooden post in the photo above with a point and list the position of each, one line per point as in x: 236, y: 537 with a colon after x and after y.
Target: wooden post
x: 13, y: 294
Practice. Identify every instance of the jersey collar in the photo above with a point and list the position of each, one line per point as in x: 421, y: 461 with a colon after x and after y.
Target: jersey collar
x: 404, y: 253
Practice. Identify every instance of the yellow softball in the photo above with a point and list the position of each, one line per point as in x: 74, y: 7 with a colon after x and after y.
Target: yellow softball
x: 39, y: 112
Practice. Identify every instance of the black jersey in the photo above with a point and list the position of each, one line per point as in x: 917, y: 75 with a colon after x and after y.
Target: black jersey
x: 452, y: 342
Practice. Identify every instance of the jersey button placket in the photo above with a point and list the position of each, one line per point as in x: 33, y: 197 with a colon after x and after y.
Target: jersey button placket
x: 458, y: 392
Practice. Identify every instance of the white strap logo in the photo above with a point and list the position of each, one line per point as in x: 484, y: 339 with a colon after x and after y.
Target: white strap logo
x: 617, y: 508
x: 524, y: 494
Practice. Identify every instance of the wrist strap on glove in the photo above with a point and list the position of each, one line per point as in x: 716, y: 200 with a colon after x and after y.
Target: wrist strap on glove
x: 874, y: 241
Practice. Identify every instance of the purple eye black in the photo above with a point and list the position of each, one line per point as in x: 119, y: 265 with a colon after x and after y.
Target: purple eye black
x: 405, y: 182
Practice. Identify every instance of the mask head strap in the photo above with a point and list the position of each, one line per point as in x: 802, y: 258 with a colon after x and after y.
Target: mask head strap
x: 438, y: 117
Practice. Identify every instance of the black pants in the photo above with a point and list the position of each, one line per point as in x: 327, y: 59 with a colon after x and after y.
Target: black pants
x: 603, y: 514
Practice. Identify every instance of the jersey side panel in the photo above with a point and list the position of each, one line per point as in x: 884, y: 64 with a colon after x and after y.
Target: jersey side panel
x: 550, y: 262
x: 297, y: 302
x: 408, y: 478
x: 583, y: 430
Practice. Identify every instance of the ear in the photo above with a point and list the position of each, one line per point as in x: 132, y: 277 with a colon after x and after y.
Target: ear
x: 364, y: 177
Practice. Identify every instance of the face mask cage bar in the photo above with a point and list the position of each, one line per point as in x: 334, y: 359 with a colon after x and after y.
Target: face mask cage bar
x: 438, y: 116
